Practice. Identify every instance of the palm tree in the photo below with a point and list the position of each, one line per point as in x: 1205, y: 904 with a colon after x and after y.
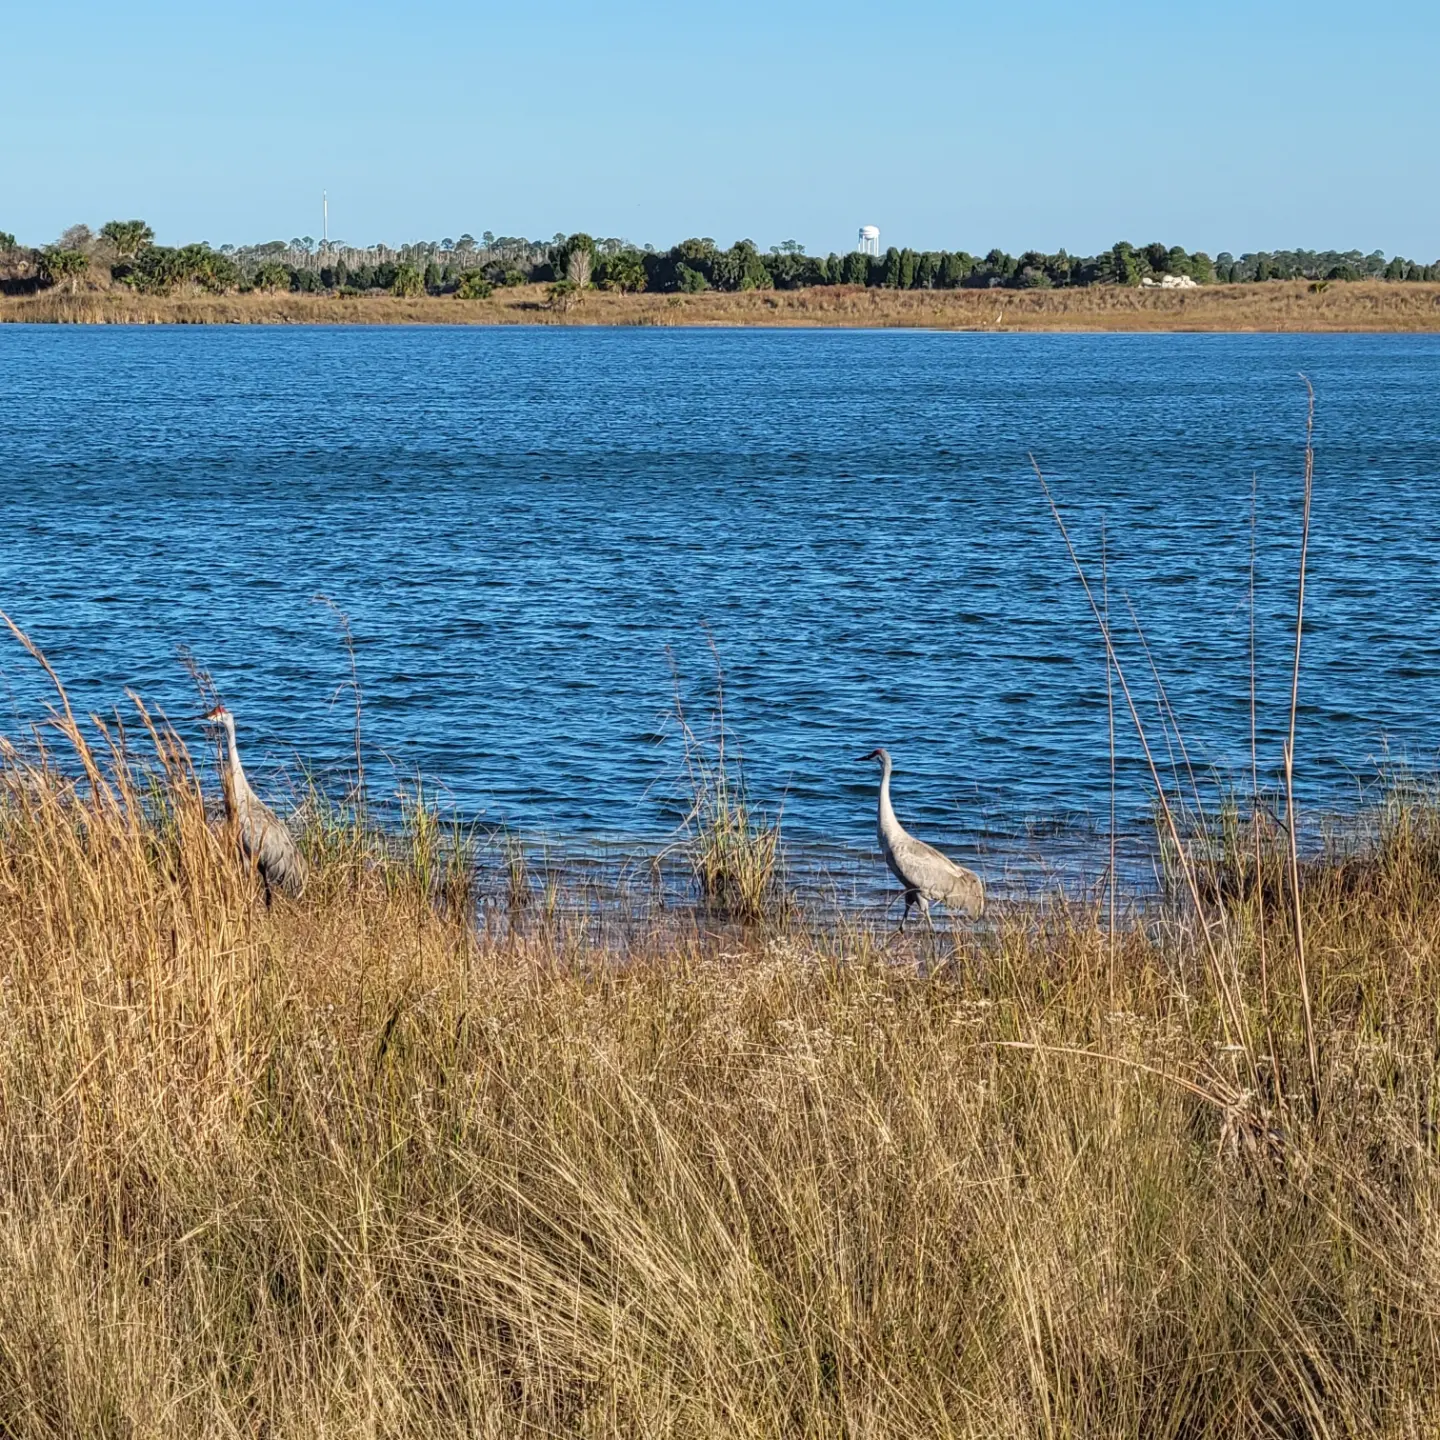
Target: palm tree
x: 474, y: 286
x: 272, y: 276
x: 408, y: 282
x: 129, y: 237
x: 625, y: 272
x: 62, y: 267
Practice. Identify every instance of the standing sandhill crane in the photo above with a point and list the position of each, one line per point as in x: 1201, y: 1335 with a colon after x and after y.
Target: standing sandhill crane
x: 927, y: 875
x: 265, y: 842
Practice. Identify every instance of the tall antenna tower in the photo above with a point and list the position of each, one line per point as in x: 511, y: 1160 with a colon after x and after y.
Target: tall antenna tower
x: 325, y: 218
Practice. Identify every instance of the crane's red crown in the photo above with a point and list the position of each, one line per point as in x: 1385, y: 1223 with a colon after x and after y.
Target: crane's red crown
x: 215, y: 714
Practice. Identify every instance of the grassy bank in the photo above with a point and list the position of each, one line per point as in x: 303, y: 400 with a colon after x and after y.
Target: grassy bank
x: 1273, y: 306
x: 358, y: 1165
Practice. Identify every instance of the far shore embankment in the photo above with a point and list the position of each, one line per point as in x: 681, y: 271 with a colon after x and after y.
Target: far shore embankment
x: 1273, y: 306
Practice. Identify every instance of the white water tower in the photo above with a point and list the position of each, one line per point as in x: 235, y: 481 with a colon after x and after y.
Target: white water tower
x: 869, y: 239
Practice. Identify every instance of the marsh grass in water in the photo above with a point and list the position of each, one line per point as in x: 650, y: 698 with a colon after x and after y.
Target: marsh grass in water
x: 733, y: 850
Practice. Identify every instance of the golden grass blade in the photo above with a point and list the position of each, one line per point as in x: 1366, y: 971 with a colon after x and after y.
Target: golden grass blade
x: 1302, y: 969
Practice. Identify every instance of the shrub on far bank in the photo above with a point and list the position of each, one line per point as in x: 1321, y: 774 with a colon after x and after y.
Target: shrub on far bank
x: 408, y: 282
x: 159, y: 270
x: 474, y: 286
x: 563, y: 294
x: 624, y: 272
x: 61, y: 267
x: 271, y: 277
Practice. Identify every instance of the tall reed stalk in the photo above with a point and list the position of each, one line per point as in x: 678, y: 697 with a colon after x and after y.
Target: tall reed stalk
x: 1292, y: 824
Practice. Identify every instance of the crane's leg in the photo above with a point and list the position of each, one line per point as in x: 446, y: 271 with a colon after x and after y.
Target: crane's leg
x: 910, y: 898
x: 925, y: 911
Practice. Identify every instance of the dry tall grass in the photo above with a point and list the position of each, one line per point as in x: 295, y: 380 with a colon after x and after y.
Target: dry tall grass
x: 1274, y: 306
x: 356, y: 1166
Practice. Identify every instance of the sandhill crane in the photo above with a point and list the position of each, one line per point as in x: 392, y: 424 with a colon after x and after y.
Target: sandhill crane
x: 265, y: 842
x: 927, y: 875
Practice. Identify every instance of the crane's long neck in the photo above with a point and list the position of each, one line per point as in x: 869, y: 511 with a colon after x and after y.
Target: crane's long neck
x: 234, y: 771
x: 888, y: 824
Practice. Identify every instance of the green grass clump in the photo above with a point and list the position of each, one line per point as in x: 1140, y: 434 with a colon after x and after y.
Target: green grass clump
x: 734, y: 852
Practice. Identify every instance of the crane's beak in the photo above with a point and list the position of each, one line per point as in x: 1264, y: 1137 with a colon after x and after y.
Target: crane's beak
x: 873, y: 755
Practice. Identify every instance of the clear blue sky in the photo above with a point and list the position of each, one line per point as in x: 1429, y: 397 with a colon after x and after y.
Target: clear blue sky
x: 1221, y: 126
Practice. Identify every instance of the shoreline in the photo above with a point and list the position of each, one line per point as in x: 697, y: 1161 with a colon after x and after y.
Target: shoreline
x: 1283, y: 307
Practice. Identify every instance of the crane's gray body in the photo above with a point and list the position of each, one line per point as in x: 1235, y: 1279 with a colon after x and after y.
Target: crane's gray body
x: 265, y: 841
x: 929, y: 878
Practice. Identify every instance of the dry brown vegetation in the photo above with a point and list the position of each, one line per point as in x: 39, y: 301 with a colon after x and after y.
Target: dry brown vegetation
x: 404, y: 1158
x: 1273, y: 306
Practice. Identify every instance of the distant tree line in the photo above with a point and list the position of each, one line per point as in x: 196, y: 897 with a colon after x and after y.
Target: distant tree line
x: 123, y: 252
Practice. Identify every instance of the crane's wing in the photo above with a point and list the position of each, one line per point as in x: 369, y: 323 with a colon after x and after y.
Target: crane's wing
x: 271, y: 848
x: 938, y: 877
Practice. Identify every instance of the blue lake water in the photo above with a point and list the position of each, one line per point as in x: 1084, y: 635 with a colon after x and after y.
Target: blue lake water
x: 525, y: 525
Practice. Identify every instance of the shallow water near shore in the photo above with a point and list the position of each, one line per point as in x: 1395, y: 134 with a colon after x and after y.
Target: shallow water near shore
x: 526, y: 526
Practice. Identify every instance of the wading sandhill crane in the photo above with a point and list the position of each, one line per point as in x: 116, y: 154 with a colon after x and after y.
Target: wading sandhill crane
x: 265, y: 842
x: 928, y: 876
